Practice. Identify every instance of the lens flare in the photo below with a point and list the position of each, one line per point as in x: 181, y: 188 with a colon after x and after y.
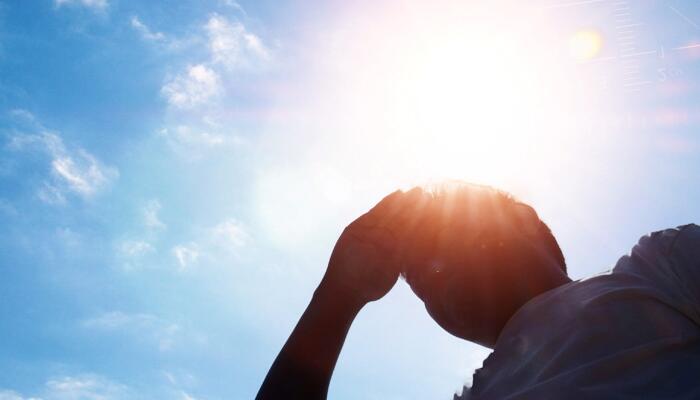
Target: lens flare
x: 585, y: 45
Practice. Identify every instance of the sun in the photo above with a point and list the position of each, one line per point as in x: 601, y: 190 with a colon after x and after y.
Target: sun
x: 472, y: 104
x: 487, y: 99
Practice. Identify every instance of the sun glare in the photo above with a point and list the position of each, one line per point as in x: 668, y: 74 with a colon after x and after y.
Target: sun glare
x: 412, y: 95
x: 451, y: 97
x: 469, y: 105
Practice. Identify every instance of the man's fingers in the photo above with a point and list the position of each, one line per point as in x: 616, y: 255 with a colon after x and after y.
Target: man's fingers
x: 391, y: 207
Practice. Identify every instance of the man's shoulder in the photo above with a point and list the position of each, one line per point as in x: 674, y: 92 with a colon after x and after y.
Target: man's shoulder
x: 667, y: 240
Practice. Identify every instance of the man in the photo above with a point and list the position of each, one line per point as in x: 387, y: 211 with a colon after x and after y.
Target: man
x: 489, y: 271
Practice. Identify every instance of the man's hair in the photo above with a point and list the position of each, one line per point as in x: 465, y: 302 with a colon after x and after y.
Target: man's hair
x: 485, y: 213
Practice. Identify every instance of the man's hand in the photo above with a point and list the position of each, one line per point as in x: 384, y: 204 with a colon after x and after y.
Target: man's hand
x: 364, y: 264
x: 363, y: 267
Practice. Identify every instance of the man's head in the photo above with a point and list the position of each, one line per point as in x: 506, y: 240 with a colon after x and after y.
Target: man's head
x: 475, y: 255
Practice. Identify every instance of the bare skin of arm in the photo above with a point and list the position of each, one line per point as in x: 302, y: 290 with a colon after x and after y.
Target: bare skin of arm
x: 363, y: 268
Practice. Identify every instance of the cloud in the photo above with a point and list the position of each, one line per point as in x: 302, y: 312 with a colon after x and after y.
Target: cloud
x: 84, y: 387
x: 235, y: 5
x: 186, y: 396
x: 184, y: 135
x: 51, y: 194
x: 135, y: 248
x: 186, y: 255
x: 11, y: 395
x: 79, y: 387
x: 150, y: 215
x: 232, y: 45
x: 231, y: 234
x: 221, y: 240
x: 192, y: 141
x: 145, y: 31
x: 194, y: 87
x: 162, y: 333
x: 99, y: 5
x: 130, y: 253
x: 81, y: 172
x: 74, y: 171
x: 197, y: 94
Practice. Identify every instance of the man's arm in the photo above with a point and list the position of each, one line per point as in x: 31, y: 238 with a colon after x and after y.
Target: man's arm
x: 362, y: 268
x: 303, y: 368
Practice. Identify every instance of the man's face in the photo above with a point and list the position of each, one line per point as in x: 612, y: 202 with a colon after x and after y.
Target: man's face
x: 468, y: 283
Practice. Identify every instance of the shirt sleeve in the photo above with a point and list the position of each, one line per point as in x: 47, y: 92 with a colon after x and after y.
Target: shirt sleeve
x: 669, y: 262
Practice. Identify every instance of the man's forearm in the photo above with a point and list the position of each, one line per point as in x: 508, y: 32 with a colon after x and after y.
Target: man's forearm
x: 304, y: 366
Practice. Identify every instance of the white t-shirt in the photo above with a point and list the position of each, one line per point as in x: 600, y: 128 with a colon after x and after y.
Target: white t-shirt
x: 633, y: 333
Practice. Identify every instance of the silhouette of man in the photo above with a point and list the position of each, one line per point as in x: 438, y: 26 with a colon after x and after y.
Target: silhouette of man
x: 490, y: 271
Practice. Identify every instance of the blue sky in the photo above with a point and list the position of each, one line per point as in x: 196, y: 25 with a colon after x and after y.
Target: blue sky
x: 173, y: 174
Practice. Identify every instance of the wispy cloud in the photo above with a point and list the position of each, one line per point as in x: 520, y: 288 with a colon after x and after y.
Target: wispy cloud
x: 74, y: 171
x: 162, y: 333
x: 145, y: 31
x: 99, y: 5
x: 88, y: 387
x: 78, y: 387
x: 81, y: 172
x: 12, y: 395
x: 197, y: 85
x: 198, y: 93
x: 232, y: 45
x: 135, y: 248
x: 131, y: 253
x: 218, y: 242
x: 231, y: 234
x: 235, y: 5
x: 150, y: 215
x: 186, y: 255
x: 186, y: 396
x: 190, y: 141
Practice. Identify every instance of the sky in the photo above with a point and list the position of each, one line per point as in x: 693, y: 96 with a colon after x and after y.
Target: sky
x: 174, y: 174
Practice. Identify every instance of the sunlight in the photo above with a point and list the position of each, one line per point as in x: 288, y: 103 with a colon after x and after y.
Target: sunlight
x: 414, y: 95
x: 470, y: 105
x: 436, y: 98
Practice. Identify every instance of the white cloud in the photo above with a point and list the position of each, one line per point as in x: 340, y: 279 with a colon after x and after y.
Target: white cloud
x: 232, y: 45
x: 148, y: 327
x: 11, y: 395
x: 79, y: 387
x: 231, y: 233
x: 205, y: 83
x: 215, y: 243
x: 184, y: 135
x: 82, y: 173
x: 99, y: 5
x: 186, y: 396
x: 198, y: 85
x: 186, y: 255
x: 84, y: 387
x: 192, y: 141
x: 145, y: 31
x: 150, y: 216
x: 135, y: 248
x: 131, y: 253
x: 74, y: 171
x: 235, y: 5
